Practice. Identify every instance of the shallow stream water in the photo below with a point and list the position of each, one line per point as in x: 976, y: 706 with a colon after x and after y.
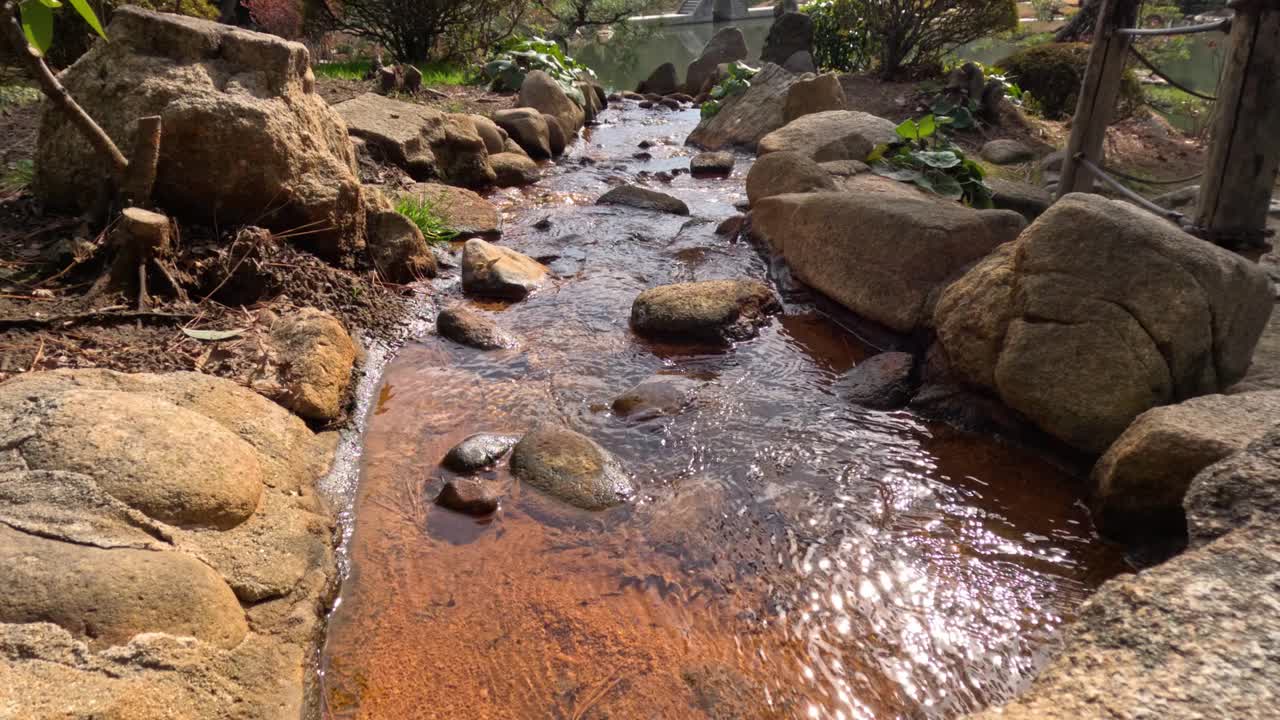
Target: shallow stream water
x: 790, y: 555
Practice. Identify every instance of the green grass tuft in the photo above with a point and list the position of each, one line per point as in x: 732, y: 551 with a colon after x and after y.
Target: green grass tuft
x: 433, y: 74
x: 423, y: 214
x: 17, y: 177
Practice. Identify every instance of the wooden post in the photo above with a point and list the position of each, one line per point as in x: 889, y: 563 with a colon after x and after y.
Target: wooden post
x: 1098, y: 93
x: 1244, y: 154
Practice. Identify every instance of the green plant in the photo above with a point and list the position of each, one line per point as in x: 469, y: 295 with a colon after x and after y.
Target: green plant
x: 520, y: 56
x: 909, y: 34
x: 17, y: 177
x: 1052, y: 74
x: 840, y: 37
x: 736, y: 80
x: 416, y: 30
x: 433, y: 73
x: 422, y: 211
x: 1046, y: 10
x: 924, y: 156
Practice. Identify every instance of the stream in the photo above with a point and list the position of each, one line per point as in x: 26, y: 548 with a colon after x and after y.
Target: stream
x: 790, y: 555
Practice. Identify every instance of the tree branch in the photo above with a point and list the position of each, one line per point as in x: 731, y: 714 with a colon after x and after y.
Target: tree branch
x: 55, y: 91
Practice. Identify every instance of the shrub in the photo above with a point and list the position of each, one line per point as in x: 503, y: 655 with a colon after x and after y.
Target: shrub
x: 924, y: 156
x: 736, y: 80
x: 840, y: 38
x: 1051, y: 75
x: 423, y: 214
x: 278, y: 17
x: 918, y: 33
x: 413, y: 30
x: 518, y: 57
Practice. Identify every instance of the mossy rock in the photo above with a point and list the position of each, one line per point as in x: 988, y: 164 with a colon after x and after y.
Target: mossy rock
x: 1052, y: 75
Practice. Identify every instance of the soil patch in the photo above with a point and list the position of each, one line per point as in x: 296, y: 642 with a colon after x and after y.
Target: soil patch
x: 471, y: 99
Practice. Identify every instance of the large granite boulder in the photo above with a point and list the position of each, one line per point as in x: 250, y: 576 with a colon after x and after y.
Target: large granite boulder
x: 1100, y: 312
x: 745, y: 118
x: 814, y: 95
x: 791, y: 33
x: 423, y: 141
x: 1140, y: 482
x: 782, y: 173
x: 1236, y: 492
x: 726, y: 46
x: 160, y: 535
x: 832, y: 135
x: 542, y: 93
x: 245, y: 138
x: 880, y: 248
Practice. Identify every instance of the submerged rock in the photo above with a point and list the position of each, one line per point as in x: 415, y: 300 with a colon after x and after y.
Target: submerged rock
x: 831, y: 135
x: 490, y: 270
x: 644, y: 199
x: 469, y: 497
x: 478, y: 452
x: 1100, y: 312
x: 470, y: 327
x: 571, y: 467
x: 657, y: 396
x: 1025, y: 199
x: 1140, y: 482
x: 710, y: 311
x: 881, y: 382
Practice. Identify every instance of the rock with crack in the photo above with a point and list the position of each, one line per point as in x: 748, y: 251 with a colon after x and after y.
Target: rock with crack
x: 747, y: 117
x: 831, y: 135
x: 571, y: 467
x: 138, y: 582
x: 423, y: 141
x: 881, y: 248
x: 664, y: 80
x: 470, y: 327
x: 717, y: 311
x: 478, y: 452
x: 1140, y: 482
x: 246, y: 139
x: 644, y: 199
x: 490, y: 270
x: 1100, y: 312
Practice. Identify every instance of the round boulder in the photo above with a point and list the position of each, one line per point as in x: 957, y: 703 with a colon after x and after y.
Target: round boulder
x: 542, y: 93
x: 782, y: 173
x: 489, y: 270
x: 478, y: 452
x: 529, y: 128
x: 463, y: 210
x: 712, y: 163
x: 469, y: 327
x: 1007, y: 152
x: 831, y: 135
x: 571, y: 467
x: 711, y: 310
x: 514, y: 170
x: 173, y: 464
x: 644, y: 199
x: 320, y: 357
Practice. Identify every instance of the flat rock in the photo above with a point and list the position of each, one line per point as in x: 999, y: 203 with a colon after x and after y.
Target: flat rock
x: 463, y: 210
x: 880, y: 248
x: 712, y: 163
x: 881, y: 382
x: 321, y: 356
x: 1007, y: 152
x: 490, y: 270
x: 831, y: 135
x: 471, y: 327
x: 655, y: 397
x: 478, y: 452
x: 644, y: 199
x: 710, y: 310
x: 786, y: 172
x: 1140, y: 482
x: 571, y: 467
x: 469, y: 497
x: 1099, y: 312
x: 423, y: 141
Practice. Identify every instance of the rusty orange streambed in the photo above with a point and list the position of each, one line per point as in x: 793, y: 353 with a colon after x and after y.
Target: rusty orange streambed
x: 789, y: 556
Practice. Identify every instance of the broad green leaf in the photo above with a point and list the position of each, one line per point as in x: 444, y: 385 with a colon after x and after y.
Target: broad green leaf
x: 212, y: 335
x: 37, y: 24
x: 908, y: 130
x: 51, y: 3
x: 947, y: 186
x: 86, y: 12
x: 926, y: 127
x: 877, y: 154
x: 941, y: 159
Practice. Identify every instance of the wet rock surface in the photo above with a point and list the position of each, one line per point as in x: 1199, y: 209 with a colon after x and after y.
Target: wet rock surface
x: 571, y: 467
x: 469, y: 497
x: 655, y: 397
x: 644, y: 199
x: 712, y: 163
x: 709, y: 311
x: 479, y: 451
x: 471, y: 327
x: 490, y: 270
x: 881, y: 382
